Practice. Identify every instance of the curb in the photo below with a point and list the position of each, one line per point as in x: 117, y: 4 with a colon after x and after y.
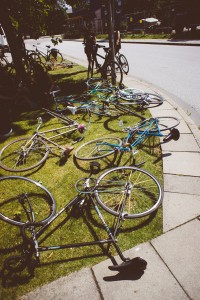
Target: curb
x: 149, y: 41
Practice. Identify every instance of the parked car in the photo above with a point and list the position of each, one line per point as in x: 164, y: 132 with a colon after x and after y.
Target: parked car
x: 3, y: 40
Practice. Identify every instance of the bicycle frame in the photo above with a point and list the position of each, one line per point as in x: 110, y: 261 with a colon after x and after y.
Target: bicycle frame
x: 134, y: 131
x: 45, y: 55
x: 106, y: 58
x: 77, y: 200
x: 66, y: 129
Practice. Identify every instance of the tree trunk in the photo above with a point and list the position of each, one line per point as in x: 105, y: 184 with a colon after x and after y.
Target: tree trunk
x: 11, y: 35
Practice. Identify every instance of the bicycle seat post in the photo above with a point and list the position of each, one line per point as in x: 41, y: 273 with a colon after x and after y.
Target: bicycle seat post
x: 39, y: 123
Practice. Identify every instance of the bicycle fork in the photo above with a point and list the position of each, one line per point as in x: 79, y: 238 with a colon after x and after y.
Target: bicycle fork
x: 107, y: 229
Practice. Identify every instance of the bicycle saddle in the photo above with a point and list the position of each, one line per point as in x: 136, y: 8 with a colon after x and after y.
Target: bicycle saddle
x: 106, y: 49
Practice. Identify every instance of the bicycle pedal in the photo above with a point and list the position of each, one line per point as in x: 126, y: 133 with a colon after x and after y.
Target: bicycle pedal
x: 134, y: 152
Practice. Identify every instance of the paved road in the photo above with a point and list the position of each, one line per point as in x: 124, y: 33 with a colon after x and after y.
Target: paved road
x: 174, y: 69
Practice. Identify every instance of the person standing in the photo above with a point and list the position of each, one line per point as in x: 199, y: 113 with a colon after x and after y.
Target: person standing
x: 90, y: 49
x: 117, y: 41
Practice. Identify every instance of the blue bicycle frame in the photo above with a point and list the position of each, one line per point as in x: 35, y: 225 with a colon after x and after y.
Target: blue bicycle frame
x: 142, y: 135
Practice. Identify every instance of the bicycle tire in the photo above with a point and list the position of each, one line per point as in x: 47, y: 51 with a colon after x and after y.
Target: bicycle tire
x: 142, y: 191
x: 164, y: 123
x: 149, y: 100
x: 55, y: 56
x: 91, y: 150
x: 113, y: 66
x: 20, y: 192
x: 146, y: 100
x: 13, y: 158
x: 99, y: 84
x: 104, y: 111
x: 129, y: 93
x: 124, y: 63
x: 34, y: 56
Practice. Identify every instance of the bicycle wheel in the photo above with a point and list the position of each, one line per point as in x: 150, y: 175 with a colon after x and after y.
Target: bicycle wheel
x: 128, y: 190
x: 104, y: 111
x: 113, y: 68
x: 146, y: 100
x: 34, y: 56
x: 23, y: 199
x: 55, y: 57
x: 99, y: 84
x: 124, y: 63
x: 129, y: 93
x: 97, y: 148
x: 160, y: 124
x: 23, y: 154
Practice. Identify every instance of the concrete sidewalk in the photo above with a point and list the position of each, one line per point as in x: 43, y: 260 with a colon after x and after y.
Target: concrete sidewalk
x: 173, y: 259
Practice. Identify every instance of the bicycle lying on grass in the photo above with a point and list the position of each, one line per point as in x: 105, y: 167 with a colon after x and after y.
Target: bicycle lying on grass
x: 27, y: 153
x: 104, y: 99
x: 101, y: 106
x: 124, y: 192
x: 123, y: 95
x: 105, y: 146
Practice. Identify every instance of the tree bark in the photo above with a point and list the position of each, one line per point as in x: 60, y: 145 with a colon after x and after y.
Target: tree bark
x: 13, y: 42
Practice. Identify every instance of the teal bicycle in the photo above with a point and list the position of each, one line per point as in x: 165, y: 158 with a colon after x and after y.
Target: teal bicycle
x: 163, y: 127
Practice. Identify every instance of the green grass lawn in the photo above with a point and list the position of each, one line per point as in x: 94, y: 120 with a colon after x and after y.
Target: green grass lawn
x: 139, y: 36
x: 60, y: 179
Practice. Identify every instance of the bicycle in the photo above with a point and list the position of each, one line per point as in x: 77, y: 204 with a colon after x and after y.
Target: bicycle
x: 123, y: 62
x: 27, y: 153
x: 109, y: 68
x: 123, y: 192
x: 4, y: 63
x: 123, y: 95
x: 52, y: 56
x: 105, y: 146
x: 102, y: 106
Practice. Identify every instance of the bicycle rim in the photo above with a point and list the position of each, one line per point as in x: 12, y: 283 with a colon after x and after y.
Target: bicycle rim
x: 34, y: 56
x: 98, y: 84
x: 114, y: 68
x: 97, y: 148
x: 124, y: 63
x: 101, y: 110
x: 55, y: 57
x: 23, y: 155
x: 149, y: 100
x: 128, y: 190
x: 163, y: 123
x: 129, y: 93
x: 23, y: 199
